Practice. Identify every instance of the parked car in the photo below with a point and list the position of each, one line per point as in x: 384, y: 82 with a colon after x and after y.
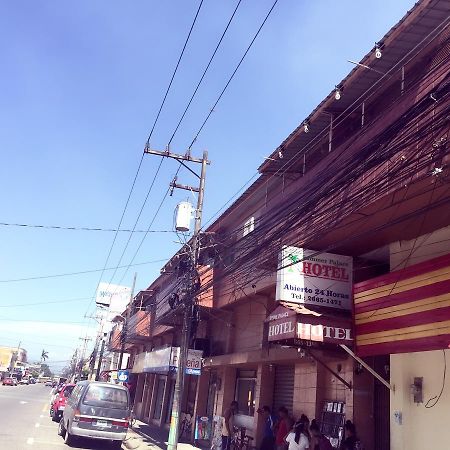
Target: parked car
x: 15, y: 381
x: 48, y: 383
x: 8, y: 381
x: 96, y: 410
x: 59, y: 402
x: 24, y: 381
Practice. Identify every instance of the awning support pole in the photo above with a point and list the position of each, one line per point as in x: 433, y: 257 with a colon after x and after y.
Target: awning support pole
x: 367, y: 367
x: 344, y: 382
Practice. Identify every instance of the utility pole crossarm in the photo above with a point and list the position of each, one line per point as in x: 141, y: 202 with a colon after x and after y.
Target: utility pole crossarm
x: 176, y: 156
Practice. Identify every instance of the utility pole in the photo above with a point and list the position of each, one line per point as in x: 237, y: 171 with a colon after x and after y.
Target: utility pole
x: 123, y: 334
x: 189, y: 301
x: 100, y: 358
x: 83, y: 353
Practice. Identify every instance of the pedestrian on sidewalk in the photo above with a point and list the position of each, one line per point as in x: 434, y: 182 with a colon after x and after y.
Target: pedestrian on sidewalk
x: 318, y: 440
x: 228, y: 429
x: 351, y: 441
x: 283, y: 428
x: 268, y: 441
x: 297, y: 439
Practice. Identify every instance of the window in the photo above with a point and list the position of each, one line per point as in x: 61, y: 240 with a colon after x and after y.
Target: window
x: 249, y: 226
x: 103, y: 396
x: 68, y: 390
x: 245, y: 392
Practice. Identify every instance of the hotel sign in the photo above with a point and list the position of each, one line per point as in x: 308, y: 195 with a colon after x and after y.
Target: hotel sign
x: 308, y: 278
x: 310, y: 328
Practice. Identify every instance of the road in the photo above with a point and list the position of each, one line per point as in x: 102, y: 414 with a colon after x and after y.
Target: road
x: 26, y: 423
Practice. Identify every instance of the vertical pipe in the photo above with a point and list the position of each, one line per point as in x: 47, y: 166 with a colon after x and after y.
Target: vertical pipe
x: 363, y: 112
x: 330, y: 135
x: 402, y: 86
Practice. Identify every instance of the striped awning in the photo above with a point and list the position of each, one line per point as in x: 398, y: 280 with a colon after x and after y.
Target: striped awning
x: 404, y: 311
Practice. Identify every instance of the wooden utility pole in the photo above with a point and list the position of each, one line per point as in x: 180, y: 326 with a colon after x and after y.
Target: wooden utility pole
x: 188, y: 302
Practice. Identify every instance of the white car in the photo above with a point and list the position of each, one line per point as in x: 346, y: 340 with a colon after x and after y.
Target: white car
x: 24, y: 381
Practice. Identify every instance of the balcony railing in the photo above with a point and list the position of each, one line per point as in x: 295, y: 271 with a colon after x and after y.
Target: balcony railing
x: 138, y: 327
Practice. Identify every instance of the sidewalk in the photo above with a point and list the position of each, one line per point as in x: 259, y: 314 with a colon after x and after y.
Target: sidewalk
x: 143, y: 437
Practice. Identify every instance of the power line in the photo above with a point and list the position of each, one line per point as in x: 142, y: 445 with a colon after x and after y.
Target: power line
x: 16, y: 305
x: 137, y: 220
x: 233, y: 74
x: 75, y: 228
x: 7, y: 319
x: 175, y: 71
x: 154, y: 125
x: 145, y: 235
x: 204, y: 72
x: 82, y: 272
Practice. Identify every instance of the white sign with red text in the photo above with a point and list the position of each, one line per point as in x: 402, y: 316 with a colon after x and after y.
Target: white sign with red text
x: 311, y: 278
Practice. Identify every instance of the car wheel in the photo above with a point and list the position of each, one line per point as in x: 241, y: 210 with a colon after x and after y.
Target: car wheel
x: 117, y: 445
x: 56, y: 416
x: 68, y: 439
x: 61, y: 429
x: 52, y: 412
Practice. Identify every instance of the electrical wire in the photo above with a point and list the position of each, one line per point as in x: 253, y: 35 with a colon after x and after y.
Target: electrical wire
x: 75, y: 228
x: 82, y: 272
x: 136, y: 222
x: 204, y: 73
x: 175, y: 71
x: 432, y: 402
x: 17, y: 305
x: 232, y: 75
x: 148, y: 143
x: 364, y: 97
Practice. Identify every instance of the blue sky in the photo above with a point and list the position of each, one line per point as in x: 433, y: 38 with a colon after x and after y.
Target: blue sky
x: 81, y: 84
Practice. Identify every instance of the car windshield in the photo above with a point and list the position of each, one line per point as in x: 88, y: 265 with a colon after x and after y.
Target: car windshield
x: 110, y: 397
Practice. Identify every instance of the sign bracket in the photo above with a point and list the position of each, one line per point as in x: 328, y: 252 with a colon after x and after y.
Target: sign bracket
x: 367, y: 367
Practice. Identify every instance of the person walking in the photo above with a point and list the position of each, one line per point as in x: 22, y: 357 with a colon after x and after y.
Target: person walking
x: 283, y: 428
x: 297, y: 439
x: 351, y: 441
x: 227, y: 430
x: 268, y: 440
x: 318, y: 440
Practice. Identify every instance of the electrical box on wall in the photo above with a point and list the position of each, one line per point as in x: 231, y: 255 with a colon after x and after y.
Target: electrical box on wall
x: 417, y: 389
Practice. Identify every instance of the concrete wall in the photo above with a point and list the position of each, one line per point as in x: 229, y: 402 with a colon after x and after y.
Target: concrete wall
x: 421, y: 427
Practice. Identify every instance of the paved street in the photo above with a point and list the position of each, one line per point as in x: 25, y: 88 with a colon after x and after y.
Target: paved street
x: 26, y: 424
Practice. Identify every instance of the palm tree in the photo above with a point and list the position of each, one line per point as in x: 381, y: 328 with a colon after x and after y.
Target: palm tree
x: 44, y: 355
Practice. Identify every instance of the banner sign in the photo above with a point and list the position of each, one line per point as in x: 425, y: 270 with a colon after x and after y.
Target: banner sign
x: 308, y: 278
x: 321, y: 329
x: 165, y: 360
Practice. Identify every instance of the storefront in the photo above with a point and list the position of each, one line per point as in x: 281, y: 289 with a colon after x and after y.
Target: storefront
x: 156, y: 384
x: 406, y: 316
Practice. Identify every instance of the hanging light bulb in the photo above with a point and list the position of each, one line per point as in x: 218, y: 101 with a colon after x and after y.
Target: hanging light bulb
x: 337, y: 93
x: 377, y: 50
x: 306, y: 127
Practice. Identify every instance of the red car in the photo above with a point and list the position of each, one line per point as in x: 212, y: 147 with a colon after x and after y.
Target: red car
x: 59, y: 402
x: 8, y: 382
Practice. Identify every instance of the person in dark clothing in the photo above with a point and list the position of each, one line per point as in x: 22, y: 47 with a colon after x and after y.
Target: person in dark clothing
x: 351, y: 441
x: 304, y: 419
x: 318, y: 440
x: 268, y: 441
x: 283, y: 427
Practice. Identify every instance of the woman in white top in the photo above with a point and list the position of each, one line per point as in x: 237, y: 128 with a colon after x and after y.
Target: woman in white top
x: 297, y: 438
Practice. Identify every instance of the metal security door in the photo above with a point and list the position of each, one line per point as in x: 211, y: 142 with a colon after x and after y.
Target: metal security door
x: 283, y: 391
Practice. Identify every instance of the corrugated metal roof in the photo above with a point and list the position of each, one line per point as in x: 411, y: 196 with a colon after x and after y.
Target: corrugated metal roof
x: 416, y: 28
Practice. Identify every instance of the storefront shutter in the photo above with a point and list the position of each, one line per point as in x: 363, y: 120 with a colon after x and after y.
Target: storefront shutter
x: 283, y: 387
